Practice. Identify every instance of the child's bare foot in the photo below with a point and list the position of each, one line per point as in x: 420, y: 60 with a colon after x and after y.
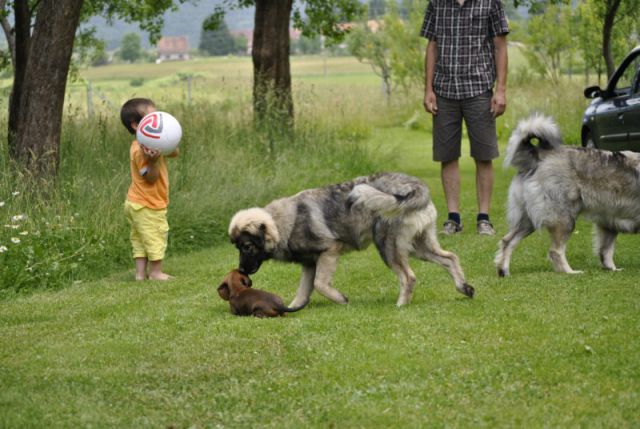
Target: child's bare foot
x: 160, y: 276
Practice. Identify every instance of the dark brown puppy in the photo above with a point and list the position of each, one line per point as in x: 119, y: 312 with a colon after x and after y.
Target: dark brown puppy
x: 245, y: 301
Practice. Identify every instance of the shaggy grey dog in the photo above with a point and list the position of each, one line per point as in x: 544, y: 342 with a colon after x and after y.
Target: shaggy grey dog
x: 556, y: 183
x: 313, y: 227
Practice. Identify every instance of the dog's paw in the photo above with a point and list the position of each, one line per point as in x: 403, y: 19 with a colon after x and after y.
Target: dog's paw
x: 467, y: 289
x: 502, y: 272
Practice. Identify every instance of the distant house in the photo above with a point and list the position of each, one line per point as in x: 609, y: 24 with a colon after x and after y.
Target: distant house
x: 173, y: 49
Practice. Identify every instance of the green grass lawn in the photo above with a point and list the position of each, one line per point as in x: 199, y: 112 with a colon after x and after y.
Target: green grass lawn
x: 537, y: 349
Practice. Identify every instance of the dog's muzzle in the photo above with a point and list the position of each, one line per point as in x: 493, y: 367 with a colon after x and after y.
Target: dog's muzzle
x: 249, y: 264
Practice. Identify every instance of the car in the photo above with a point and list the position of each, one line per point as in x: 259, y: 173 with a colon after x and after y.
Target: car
x: 612, y: 120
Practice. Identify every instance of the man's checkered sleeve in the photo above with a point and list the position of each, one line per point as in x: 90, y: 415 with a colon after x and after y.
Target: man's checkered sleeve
x: 498, y: 24
x: 428, y: 29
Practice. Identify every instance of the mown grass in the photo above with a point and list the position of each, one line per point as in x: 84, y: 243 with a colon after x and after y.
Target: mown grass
x: 537, y: 349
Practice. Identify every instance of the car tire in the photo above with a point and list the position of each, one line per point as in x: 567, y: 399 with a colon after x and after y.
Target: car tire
x: 588, y: 141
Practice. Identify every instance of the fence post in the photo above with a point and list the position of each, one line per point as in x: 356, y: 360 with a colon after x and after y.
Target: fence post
x: 89, y: 99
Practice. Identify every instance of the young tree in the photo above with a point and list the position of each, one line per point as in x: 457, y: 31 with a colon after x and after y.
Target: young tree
x: 588, y: 36
x: 41, y: 41
x: 608, y: 12
x: 395, y: 51
x: 131, y: 48
x: 218, y: 41
x: 373, y: 48
x: 545, y: 49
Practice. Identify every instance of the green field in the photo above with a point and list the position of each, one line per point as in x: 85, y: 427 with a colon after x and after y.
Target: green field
x: 537, y: 349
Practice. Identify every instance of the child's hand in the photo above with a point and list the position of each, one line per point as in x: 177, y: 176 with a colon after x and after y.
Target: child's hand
x: 150, y: 154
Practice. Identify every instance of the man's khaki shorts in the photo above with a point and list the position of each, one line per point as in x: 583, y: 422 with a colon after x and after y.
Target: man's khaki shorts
x: 149, y: 231
x: 481, y: 128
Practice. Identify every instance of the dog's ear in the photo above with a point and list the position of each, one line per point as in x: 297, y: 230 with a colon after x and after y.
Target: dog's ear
x: 223, y: 291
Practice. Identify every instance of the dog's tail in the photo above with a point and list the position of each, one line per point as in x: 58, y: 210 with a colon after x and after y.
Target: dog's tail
x: 390, y: 194
x: 285, y: 309
x: 522, y: 153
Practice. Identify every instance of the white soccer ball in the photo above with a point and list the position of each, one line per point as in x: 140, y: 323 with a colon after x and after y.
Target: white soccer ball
x: 160, y: 131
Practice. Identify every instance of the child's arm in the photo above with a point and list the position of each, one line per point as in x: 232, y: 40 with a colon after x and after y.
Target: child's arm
x: 151, y: 157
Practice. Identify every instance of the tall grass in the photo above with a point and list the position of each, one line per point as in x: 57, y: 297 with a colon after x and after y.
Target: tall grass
x: 73, y: 229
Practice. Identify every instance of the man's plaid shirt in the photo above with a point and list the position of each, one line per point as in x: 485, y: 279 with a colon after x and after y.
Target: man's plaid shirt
x: 465, y: 66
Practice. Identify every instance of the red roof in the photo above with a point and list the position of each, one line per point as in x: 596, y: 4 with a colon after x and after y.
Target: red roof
x: 173, y: 45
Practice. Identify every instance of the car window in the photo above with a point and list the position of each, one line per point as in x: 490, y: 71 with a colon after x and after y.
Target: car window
x: 626, y: 80
x: 635, y: 89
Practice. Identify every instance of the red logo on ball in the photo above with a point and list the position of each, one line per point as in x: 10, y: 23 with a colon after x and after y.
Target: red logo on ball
x: 151, y: 126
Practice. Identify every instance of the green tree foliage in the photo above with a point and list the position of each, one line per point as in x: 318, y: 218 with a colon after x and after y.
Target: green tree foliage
x: 558, y: 32
x: 131, y: 48
x: 588, y: 38
x: 549, y: 41
x: 373, y: 47
x: 218, y: 41
x: 402, y: 23
x: 394, y: 50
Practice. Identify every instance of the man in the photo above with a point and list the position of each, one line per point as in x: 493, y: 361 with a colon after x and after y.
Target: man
x: 466, y: 55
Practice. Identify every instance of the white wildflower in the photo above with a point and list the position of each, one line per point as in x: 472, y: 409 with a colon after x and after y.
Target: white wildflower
x: 15, y: 240
x: 18, y: 218
x: 15, y: 193
x: 1, y: 203
x: 12, y: 226
x: 24, y: 233
x: 3, y: 249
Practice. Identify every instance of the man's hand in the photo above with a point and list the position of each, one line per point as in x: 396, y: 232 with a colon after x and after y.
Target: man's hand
x: 498, y: 103
x: 430, y: 104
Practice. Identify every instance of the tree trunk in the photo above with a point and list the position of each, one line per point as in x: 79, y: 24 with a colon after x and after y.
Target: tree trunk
x: 22, y: 38
x: 41, y: 99
x: 609, y: 17
x: 272, y: 100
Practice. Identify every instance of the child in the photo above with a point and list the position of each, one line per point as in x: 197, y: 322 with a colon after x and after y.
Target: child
x: 148, y: 196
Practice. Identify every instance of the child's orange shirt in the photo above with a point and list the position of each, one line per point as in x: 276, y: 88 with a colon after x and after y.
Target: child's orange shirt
x: 152, y: 195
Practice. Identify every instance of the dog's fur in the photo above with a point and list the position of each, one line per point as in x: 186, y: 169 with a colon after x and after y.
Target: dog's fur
x: 315, y: 226
x: 556, y: 183
x: 245, y: 301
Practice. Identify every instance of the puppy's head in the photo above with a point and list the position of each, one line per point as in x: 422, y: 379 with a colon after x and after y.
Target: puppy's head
x: 255, y: 235
x: 233, y: 282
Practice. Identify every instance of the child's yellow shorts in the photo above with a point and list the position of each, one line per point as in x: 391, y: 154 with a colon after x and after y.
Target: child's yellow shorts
x: 149, y: 231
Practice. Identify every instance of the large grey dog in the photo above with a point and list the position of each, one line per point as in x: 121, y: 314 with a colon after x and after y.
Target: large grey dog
x: 556, y: 183
x: 315, y: 226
